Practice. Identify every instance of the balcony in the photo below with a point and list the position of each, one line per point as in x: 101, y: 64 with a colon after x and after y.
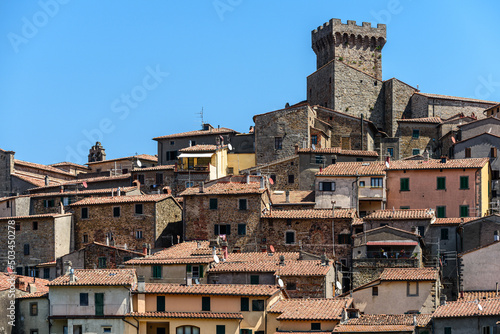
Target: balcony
x: 77, y: 310
x: 387, y: 259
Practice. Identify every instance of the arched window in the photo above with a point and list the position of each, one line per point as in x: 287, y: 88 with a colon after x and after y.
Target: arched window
x: 187, y: 330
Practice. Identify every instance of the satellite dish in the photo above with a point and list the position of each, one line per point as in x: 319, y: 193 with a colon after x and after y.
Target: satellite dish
x: 271, y: 248
x: 338, y: 285
x: 139, y: 163
x: 216, y: 258
x: 230, y: 147
x: 313, y: 147
x: 280, y: 283
x: 479, y: 307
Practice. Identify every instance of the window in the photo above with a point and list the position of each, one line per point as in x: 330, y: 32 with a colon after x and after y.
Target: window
x: 213, y: 203
x: 291, y: 179
x: 327, y: 186
x: 85, y: 213
x: 441, y: 183
x: 160, y: 303
x: 18, y: 227
x: 361, y: 183
x: 125, y: 171
x: 157, y: 271
x: 138, y: 234
x: 441, y: 212
x: 172, y: 142
x: 415, y: 151
x: 464, y: 182
x: 138, y: 209
x: 140, y: 178
x: 487, y: 330
x: 377, y: 182
x: 107, y: 329
x: 33, y: 331
x: 230, y: 170
x: 447, y: 330
x: 84, y: 299
x: 242, y: 204
x: 315, y: 326
x: 344, y: 239
x: 290, y: 237
x: 245, y: 304
x: 187, y: 330
x: 48, y: 203
x: 493, y: 152
x: 464, y: 211
x: 222, y: 229
x: 242, y: 229
x: 127, y: 258
x: 291, y: 286
x: 46, y: 273
x: 33, y: 309
x: 159, y: 178
x: 116, y: 211
x: 359, y: 159
x: 404, y: 184
x: 35, y: 225
x: 254, y: 279
x: 220, y: 329
x: 245, y: 331
x: 468, y: 152
x: 421, y: 230
x: 258, y: 305
x: 375, y: 291
x: 205, y: 303
x: 26, y: 249
x: 197, y: 271
x: 189, y: 184
x: 278, y: 143
x: 412, y: 289
x: 19, y: 270
x: 444, y: 233
x: 102, y: 262
x: 314, y: 139
x: 319, y: 159
x: 415, y: 134
x: 390, y: 152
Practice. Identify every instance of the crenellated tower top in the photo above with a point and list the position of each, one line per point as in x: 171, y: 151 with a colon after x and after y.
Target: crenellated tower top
x: 357, y: 46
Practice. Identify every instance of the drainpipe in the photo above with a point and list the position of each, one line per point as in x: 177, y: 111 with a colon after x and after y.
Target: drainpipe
x: 362, y: 131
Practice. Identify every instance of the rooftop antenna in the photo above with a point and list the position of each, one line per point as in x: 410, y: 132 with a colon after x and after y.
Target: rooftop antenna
x: 201, y: 116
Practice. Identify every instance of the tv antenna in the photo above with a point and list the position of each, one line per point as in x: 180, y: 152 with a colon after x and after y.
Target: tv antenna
x: 201, y: 116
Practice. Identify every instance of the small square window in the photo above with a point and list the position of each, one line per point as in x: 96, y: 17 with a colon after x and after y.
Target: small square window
x: 315, y: 326
x: 157, y: 271
x: 85, y: 213
x: 138, y: 209
x: 242, y: 229
x: 314, y: 139
x: 377, y: 182
x: 213, y: 204
x: 441, y: 212
x: 291, y: 286
x: 160, y: 303
x: 278, y: 143
x: 404, y: 184
x: 205, y: 303
x: 257, y: 305
x: 242, y: 204
x: 390, y: 152
x: 35, y: 225
x: 46, y: 273
x: 245, y: 304
x: 327, y: 186
x: 464, y: 211
x: 290, y: 237
x: 33, y: 309
x: 172, y: 142
x: 361, y: 183
x: 412, y: 289
x: 375, y: 291
x: 102, y: 262
x: 106, y: 329
x: 18, y: 227
x: 254, y: 279
x: 291, y: 179
x: 138, y: 234
x: 116, y: 211
x: 464, y: 182
x: 415, y: 151
x: 84, y: 299
x: 26, y: 249
x: 441, y: 183
x: 444, y: 233
x: 415, y: 134
x: 85, y: 238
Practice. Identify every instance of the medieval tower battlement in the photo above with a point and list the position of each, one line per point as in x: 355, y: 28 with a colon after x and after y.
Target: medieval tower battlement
x: 357, y: 46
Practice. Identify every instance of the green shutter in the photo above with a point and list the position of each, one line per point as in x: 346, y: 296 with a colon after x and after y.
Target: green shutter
x: 221, y: 329
x: 441, y: 183
x: 160, y: 303
x: 254, y: 279
x: 201, y: 271
x: 205, y: 303
x: 188, y: 268
x: 404, y: 184
x: 464, y: 182
x: 245, y: 304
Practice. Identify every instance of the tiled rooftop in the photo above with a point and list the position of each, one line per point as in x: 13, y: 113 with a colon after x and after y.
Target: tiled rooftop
x: 226, y: 188
x: 212, y: 289
x: 85, y: 192
x: 97, y: 277
x: 473, y: 295
x: 147, y: 169
x: 368, y: 323
x: 38, y: 180
x: 311, y: 309
x: 121, y: 199
x: 290, y: 268
x: 436, y: 120
x: 88, y: 180
x: 409, y: 274
x: 455, y: 98
x: 190, y: 252
x: 478, y: 248
x: 23, y: 282
x: 296, y: 197
x: 339, y: 151
x: 437, y: 164
x: 186, y: 315
x: 353, y: 169
x: 452, y: 221
x: 400, y: 214
x: 67, y: 163
x: 215, y: 131
x: 43, y: 167
x: 262, y: 256
x: 152, y: 158
x: 310, y: 214
x: 38, y: 294
x: 45, y: 215
x: 200, y: 148
x: 468, y: 308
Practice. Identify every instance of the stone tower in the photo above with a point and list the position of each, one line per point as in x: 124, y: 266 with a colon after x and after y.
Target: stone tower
x: 357, y: 46
x: 96, y: 153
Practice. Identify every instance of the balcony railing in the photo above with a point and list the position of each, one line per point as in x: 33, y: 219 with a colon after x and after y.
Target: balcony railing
x: 390, y: 255
x: 76, y: 309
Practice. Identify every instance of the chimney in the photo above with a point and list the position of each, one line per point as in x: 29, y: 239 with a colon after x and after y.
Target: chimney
x: 141, y: 284
x: 262, y: 182
x: 323, y: 259
x: 443, y: 298
x: 107, y: 240
x: 287, y: 196
x: 72, y: 277
x: 296, y: 148
x: 496, y: 293
x: 426, y: 155
x: 282, y: 260
x: 137, y: 183
x: 46, y: 180
x: 202, y: 187
x: 248, y: 178
x: 145, y: 249
x: 414, y: 320
x: 67, y: 265
x: 189, y: 278
x: 61, y: 189
x: 61, y: 208
x: 31, y: 287
x: 167, y: 190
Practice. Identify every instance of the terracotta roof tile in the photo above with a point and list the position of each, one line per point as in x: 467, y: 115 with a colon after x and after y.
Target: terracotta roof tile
x: 217, y: 131
x: 67, y: 163
x: 353, y: 169
x: 38, y: 181
x: 88, y: 180
x: 311, y: 309
x: 186, y: 315
x: 400, y: 214
x: 147, y: 169
x: 339, y: 151
x: 183, y: 253
x: 148, y: 157
x: 43, y: 167
x: 455, y: 98
x: 381, y: 320
x: 468, y: 308
x: 97, y: 277
x: 290, y: 268
x: 38, y: 294
x: 296, y: 197
x: 310, y: 214
x: 45, y: 215
x: 212, y: 289
x: 409, y: 274
x: 190, y: 260
x: 452, y: 221
x: 121, y: 199
x: 23, y: 282
x: 200, y: 148
x: 437, y: 164
x: 226, y: 188
x: 436, y: 120
x: 473, y: 295
x: 84, y: 192
x: 262, y: 256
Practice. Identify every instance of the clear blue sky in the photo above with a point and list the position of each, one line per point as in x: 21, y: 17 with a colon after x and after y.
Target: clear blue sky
x: 77, y: 69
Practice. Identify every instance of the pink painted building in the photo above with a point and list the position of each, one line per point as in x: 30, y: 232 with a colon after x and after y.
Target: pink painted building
x: 453, y: 188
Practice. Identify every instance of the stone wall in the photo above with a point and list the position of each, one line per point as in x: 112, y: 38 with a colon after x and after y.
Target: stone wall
x: 479, y: 232
x: 397, y: 104
x: 168, y: 222
x: 428, y: 106
x: 6, y: 169
x: 428, y: 138
x: 150, y: 177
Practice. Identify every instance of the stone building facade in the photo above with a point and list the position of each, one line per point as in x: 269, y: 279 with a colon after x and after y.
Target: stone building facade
x: 418, y: 135
x: 128, y: 220
x: 479, y: 232
x: 154, y: 179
